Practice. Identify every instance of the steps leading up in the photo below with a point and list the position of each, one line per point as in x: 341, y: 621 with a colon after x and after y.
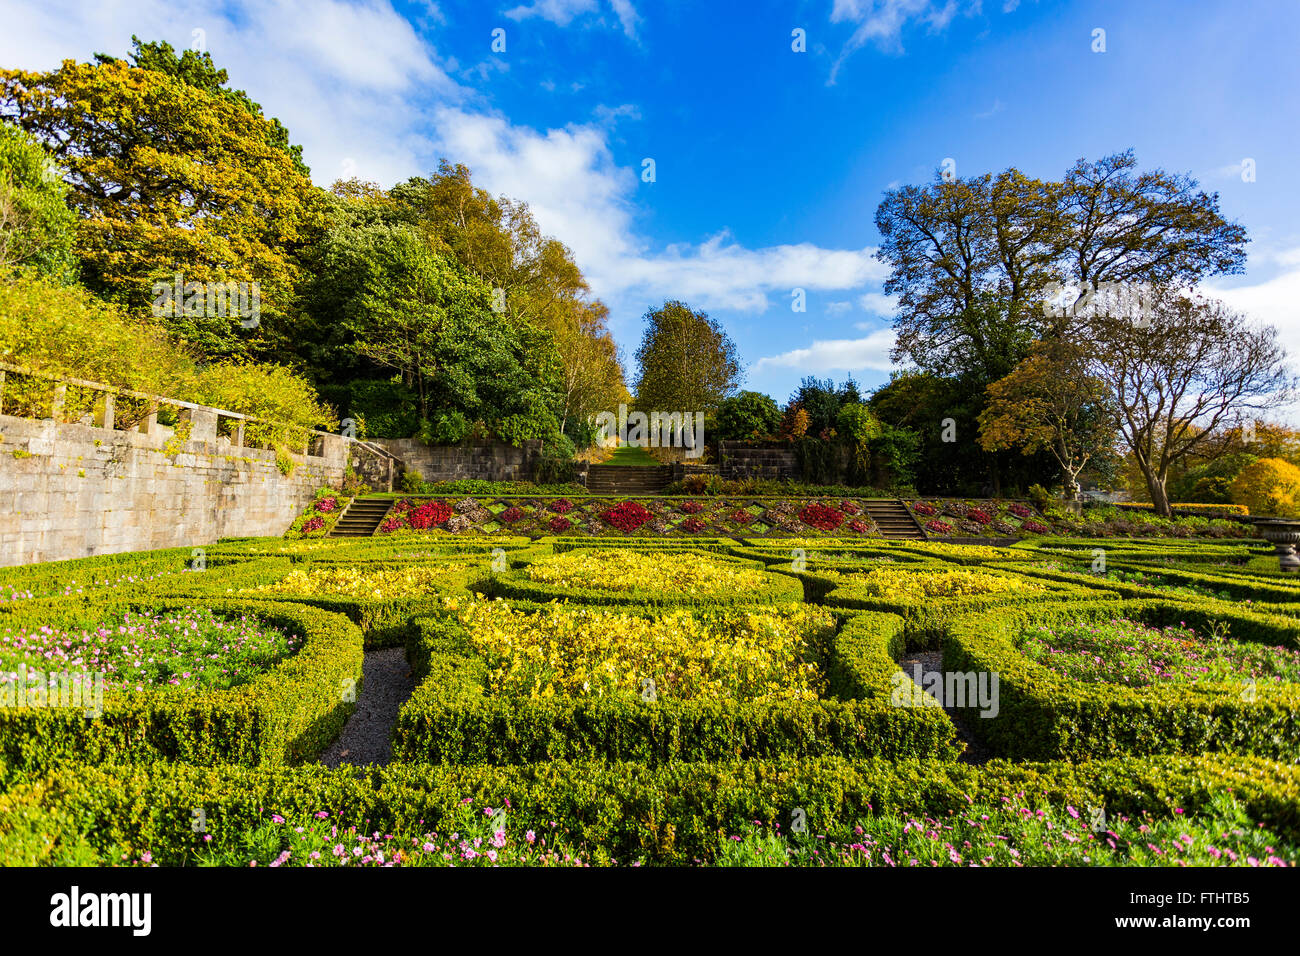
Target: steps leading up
x: 894, y: 520
x: 362, y: 517
x: 628, y: 479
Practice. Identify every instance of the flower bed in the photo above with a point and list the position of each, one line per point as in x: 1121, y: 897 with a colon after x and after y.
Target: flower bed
x: 237, y: 681
x: 1133, y: 654
x: 687, y: 655
x: 1081, y: 710
x: 183, y: 647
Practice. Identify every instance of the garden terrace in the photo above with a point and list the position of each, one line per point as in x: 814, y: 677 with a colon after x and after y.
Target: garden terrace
x: 714, y: 678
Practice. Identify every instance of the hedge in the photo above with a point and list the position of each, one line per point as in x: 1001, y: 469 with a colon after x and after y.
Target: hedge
x: 384, y: 621
x: 1046, y: 715
x: 450, y: 717
x: 97, y: 574
x: 671, y: 814
x: 289, y: 713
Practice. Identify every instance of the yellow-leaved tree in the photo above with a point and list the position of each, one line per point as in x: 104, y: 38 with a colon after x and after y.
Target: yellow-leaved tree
x: 1269, y: 486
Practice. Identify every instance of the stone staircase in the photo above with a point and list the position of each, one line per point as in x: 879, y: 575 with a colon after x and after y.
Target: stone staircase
x: 894, y: 520
x: 628, y: 479
x: 362, y: 517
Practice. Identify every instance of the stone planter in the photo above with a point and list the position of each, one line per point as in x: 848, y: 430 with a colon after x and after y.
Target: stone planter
x: 1284, y: 535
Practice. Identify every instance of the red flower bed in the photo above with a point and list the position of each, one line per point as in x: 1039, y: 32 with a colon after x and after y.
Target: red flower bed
x: 561, y: 506
x: 938, y: 527
x: 1033, y: 527
x: 980, y: 516
x: 859, y: 526
x: 1020, y: 511
x: 693, y: 525
x: 313, y: 524
x: 559, y: 524
x: 740, y: 516
x: 821, y: 516
x: 922, y: 508
x: 692, y: 507
x: 627, y: 516
x: 326, y: 505
x: 511, y: 514
x: 429, y: 515
x: 849, y: 508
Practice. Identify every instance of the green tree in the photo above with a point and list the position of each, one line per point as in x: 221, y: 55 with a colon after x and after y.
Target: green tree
x: 748, y: 415
x: 687, y: 361
x: 410, y: 309
x: 167, y: 179
x: 197, y: 70
x: 37, y: 228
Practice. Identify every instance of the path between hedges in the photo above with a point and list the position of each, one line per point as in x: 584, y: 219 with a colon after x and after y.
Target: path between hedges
x: 386, y: 683
x: 931, y: 662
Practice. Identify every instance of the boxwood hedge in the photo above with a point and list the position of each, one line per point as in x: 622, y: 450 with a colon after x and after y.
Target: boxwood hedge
x: 674, y: 813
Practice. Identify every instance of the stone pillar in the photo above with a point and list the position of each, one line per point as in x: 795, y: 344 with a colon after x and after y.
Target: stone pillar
x: 203, y: 424
x: 150, y: 423
x: 239, y: 434
x: 60, y: 399
x: 109, y: 412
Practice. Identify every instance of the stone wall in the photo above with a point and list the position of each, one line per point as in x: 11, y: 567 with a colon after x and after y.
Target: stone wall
x: 487, y: 461
x: 76, y: 490
x: 750, y: 460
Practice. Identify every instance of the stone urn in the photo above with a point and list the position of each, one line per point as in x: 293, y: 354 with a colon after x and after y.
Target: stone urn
x: 1284, y: 535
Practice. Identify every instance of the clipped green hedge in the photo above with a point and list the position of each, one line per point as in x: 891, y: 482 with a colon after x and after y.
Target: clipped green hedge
x: 450, y: 718
x: 136, y: 570
x: 1044, y: 715
x: 289, y: 713
x: 384, y: 621
x: 671, y: 814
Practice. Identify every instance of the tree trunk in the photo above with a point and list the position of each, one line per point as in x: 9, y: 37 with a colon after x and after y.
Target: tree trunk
x: 1159, y: 497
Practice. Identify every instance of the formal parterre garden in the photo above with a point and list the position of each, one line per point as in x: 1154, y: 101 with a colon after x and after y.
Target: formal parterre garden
x: 825, y: 698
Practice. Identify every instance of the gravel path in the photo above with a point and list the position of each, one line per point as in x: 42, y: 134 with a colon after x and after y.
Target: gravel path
x: 385, y: 684
x: 931, y: 662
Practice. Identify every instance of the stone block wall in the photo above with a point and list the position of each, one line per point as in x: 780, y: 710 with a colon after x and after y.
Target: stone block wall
x: 76, y: 490
x: 487, y: 461
x: 750, y: 460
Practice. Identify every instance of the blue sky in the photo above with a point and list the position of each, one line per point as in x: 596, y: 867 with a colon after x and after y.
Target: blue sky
x: 769, y: 163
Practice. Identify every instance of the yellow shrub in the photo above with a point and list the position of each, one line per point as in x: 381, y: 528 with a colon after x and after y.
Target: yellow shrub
x: 913, y: 585
x: 1269, y: 486
x: 734, y: 654
x: 626, y: 570
x: 357, y: 583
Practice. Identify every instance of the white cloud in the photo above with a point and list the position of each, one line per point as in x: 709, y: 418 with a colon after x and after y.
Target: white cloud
x: 881, y: 22
x: 870, y: 353
x: 1275, y: 301
x: 583, y: 197
x: 564, y: 12
x: 878, y: 303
